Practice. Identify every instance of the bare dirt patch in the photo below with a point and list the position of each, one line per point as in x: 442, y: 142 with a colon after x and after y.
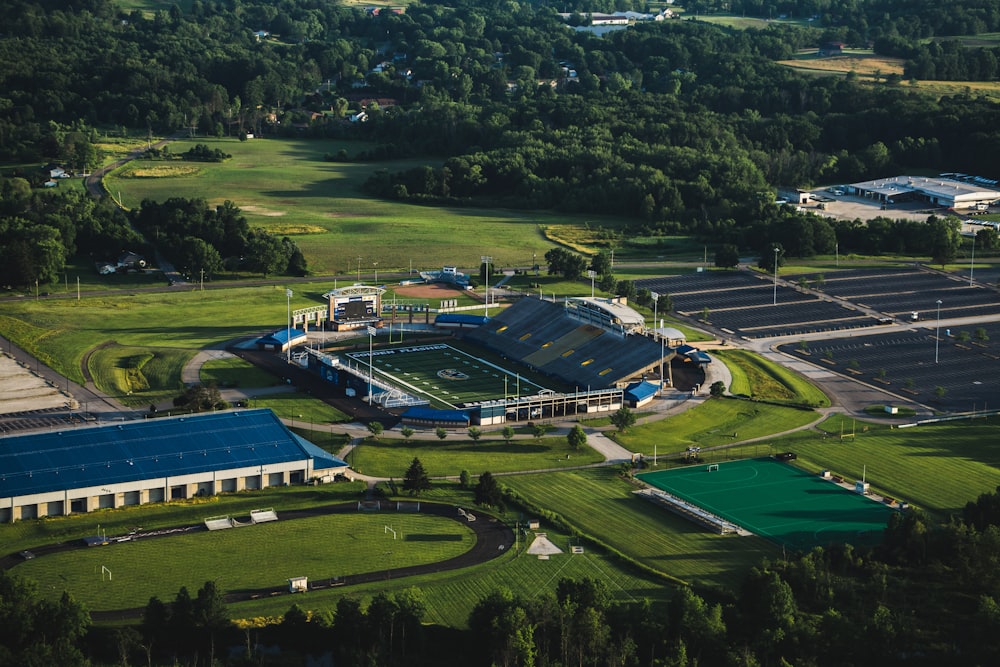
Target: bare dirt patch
x: 21, y: 390
x: 429, y: 291
x: 260, y: 210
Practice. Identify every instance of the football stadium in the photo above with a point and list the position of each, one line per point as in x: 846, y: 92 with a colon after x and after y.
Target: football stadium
x: 582, y: 355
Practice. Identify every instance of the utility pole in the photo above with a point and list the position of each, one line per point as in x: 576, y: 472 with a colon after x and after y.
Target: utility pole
x: 288, y: 325
x: 775, y: 275
x: 486, y: 259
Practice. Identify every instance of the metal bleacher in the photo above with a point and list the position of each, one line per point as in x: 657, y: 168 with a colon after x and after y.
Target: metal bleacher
x: 542, y: 335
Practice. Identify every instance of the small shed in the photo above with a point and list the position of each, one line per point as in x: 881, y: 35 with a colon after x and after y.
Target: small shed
x: 281, y: 339
x: 298, y: 584
x: 638, y: 394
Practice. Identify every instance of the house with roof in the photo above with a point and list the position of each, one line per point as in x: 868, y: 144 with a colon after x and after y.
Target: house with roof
x: 91, y: 467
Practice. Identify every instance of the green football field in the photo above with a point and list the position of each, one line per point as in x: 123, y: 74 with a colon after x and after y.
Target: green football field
x: 444, y: 375
x: 777, y: 501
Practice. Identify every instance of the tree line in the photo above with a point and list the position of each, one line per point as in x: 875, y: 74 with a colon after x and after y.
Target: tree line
x: 929, y: 593
x: 669, y: 123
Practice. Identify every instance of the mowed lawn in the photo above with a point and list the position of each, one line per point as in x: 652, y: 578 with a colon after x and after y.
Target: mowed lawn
x: 598, y: 502
x: 391, y: 458
x: 153, y: 334
x: 258, y: 556
x: 716, y: 422
x: 287, y: 187
x: 936, y: 467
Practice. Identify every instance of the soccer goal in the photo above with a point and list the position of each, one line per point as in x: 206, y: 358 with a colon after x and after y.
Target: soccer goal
x: 713, y: 467
x: 105, y: 572
x: 388, y: 529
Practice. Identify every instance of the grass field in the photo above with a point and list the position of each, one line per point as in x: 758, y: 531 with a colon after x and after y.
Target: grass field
x: 863, y: 62
x: 283, y: 182
x: 299, y: 406
x: 444, y: 375
x: 777, y: 501
x: 235, y: 372
x: 391, y: 458
x: 755, y: 376
x: 937, y: 467
x: 598, y: 502
x: 258, y: 556
x: 449, y: 596
x: 716, y: 422
x: 165, y: 329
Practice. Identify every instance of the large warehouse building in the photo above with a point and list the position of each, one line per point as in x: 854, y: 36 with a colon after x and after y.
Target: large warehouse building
x: 947, y: 190
x: 154, y: 460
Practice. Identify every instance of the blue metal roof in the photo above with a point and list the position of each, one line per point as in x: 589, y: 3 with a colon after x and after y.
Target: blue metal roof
x: 417, y: 412
x: 281, y: 337
x: 145, y: 449
x: 640, y: 391
x: 461, y: 318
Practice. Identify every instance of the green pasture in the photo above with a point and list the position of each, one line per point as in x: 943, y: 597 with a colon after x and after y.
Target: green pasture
x: 257, y: 556
x: 165, y: 329
x: 937, y: 467
x: 445, y: 375
x: 235, y: 372
x: 777, y: 501
x: 449, y: 457
x: 598, y: 502
x: 715, y: 423
x: 287, y: 187
x: 759, y: 378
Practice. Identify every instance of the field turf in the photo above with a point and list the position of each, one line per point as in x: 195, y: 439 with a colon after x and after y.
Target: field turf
x: 778, y: 501
x: 445, y: 375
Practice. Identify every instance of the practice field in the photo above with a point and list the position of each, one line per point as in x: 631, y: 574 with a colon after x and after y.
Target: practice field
x: 322, y: 548
x: 777, y: 501
x: 445, y: 375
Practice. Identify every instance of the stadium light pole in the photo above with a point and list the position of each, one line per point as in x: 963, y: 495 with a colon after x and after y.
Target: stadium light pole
x: 371, y: 335
x: 375, y: 267
x: 486, y: 259
x: 359, y: 268
x: 288, y: 325
x: 972, y: 262
x: 656, y: 302
x: 590, y: 274
x: 775, y: 301
x: 937, y: 332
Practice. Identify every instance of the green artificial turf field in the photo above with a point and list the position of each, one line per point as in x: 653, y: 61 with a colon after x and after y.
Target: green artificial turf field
x: 778, y: 501
x: 445, y: 375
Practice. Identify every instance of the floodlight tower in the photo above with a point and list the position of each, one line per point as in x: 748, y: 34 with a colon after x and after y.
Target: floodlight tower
x: 288, y: 325
x: 776, y: 250
x: 937, y: 332
x: 486, y: 259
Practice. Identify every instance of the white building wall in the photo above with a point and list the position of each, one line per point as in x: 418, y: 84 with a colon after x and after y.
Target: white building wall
x: 38, y: 504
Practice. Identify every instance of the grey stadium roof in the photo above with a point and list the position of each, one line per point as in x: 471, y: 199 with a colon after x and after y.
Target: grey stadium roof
x: 150, y: 449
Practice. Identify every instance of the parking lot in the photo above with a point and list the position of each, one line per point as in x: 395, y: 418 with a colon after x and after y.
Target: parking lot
x: 746, y: 304
x: 867, y: 318
x: 903, y: 363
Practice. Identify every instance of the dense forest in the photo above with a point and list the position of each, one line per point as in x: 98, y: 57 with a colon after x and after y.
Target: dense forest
x: 928, y: 595
x: 683, y: 126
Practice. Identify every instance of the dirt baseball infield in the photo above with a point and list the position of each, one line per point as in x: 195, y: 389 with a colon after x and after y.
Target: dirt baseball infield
x: 428, y: 291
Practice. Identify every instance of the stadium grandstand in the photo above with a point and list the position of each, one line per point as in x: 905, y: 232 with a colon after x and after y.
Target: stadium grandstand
x: 87, y: 468
x: 597, y: 343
